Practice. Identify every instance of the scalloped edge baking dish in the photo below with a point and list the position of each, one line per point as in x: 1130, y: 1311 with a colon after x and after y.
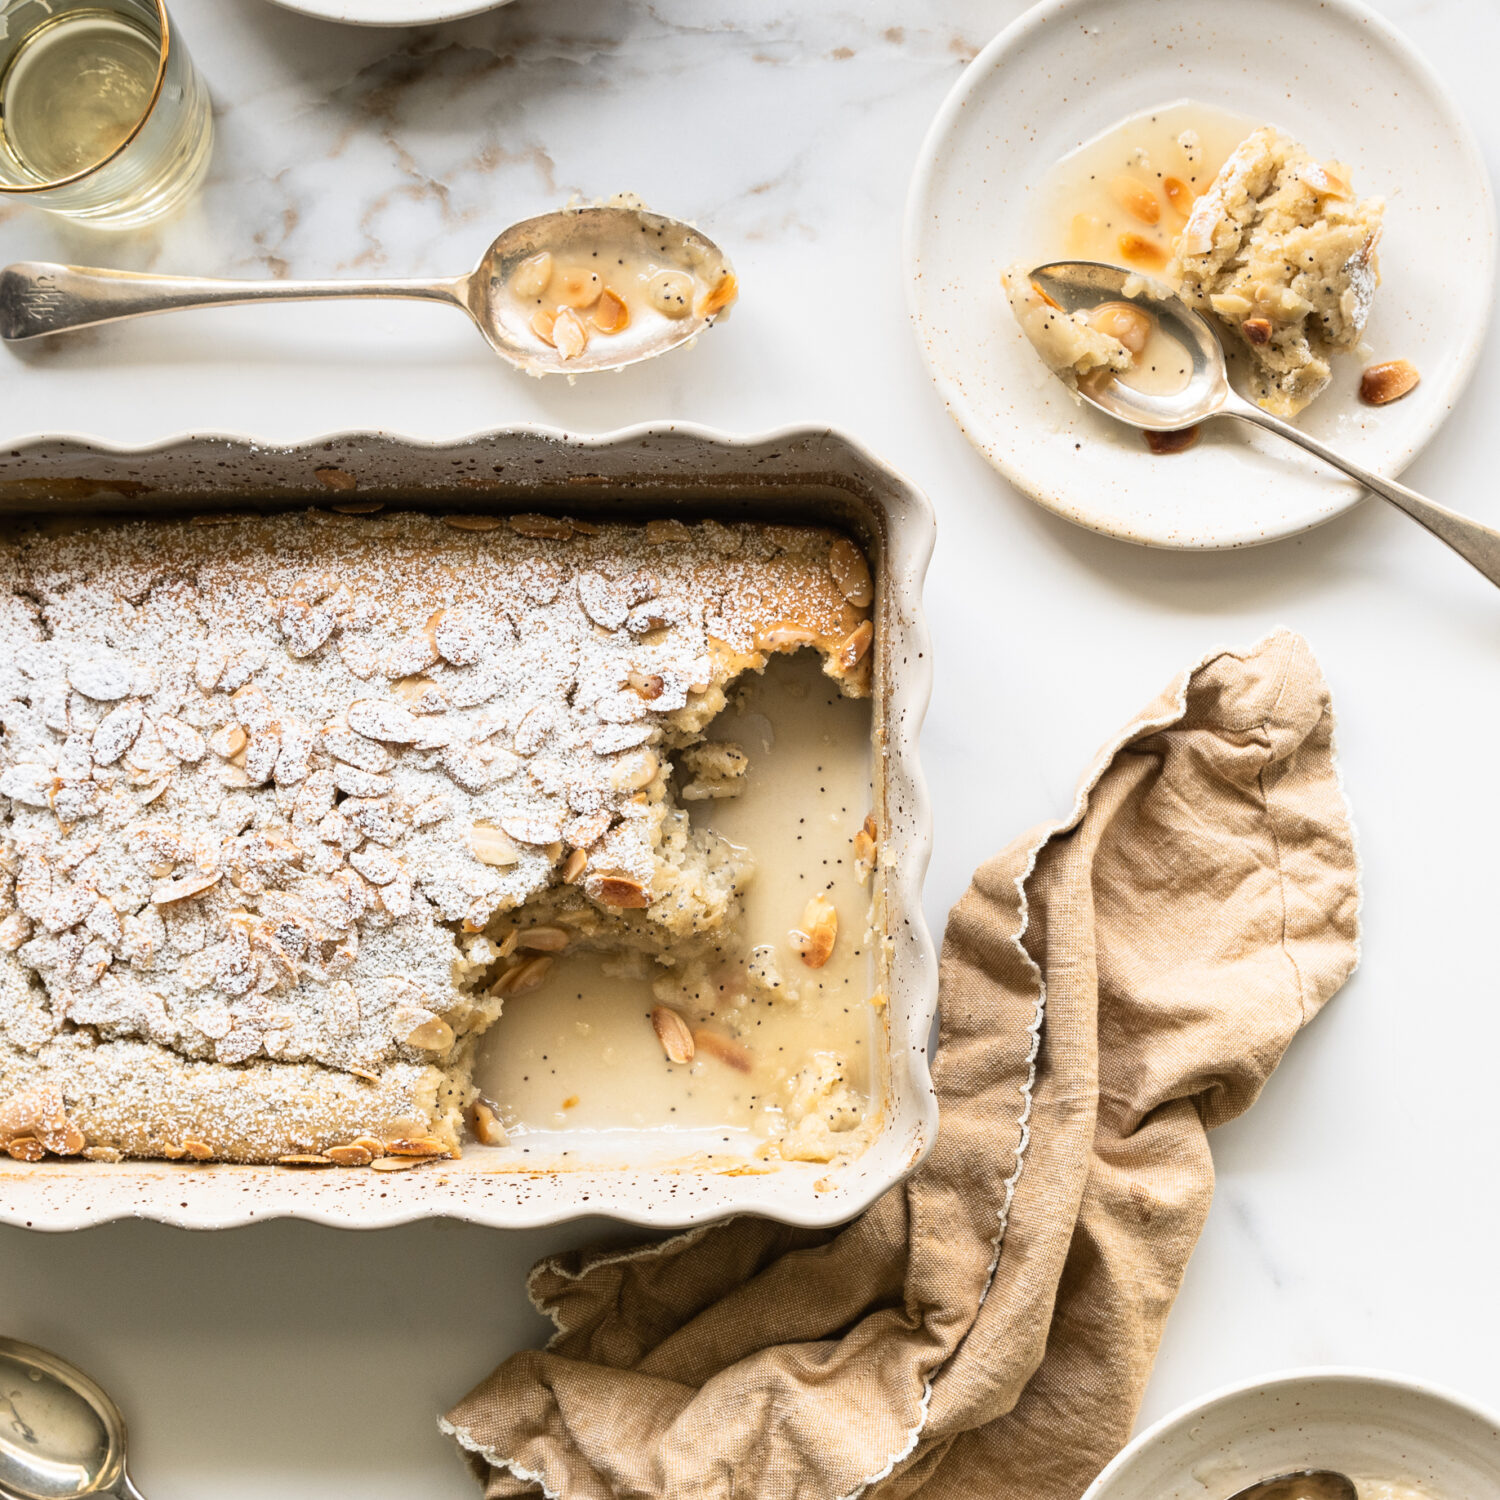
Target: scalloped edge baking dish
x: 804, y: 474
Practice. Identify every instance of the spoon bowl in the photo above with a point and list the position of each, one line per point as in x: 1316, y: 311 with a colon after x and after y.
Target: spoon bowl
x: 61, y: 1437
x: 1082, y: 284
x: 1301, y: 1484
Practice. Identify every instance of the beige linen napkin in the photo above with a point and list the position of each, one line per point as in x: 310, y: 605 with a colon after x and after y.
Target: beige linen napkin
x: 986, y: 1328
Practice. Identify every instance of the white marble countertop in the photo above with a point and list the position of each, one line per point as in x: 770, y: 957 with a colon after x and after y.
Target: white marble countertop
x: 1357, y: 1205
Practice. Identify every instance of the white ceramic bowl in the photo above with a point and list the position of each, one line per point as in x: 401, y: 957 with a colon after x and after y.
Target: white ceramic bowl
x: 1336, y: 76
x: 391, y: 12
x: 1366, y: 1424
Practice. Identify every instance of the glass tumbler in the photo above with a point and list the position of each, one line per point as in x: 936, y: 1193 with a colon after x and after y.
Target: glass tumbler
x: 103, y: 117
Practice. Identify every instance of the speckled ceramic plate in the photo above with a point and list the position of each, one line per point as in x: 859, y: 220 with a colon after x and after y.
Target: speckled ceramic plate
x: 391, y: 12
x: 1370, y: 1426
x: 1069, y: 69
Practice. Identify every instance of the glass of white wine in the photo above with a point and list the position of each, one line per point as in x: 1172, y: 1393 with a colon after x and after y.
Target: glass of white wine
x: 103, y: 117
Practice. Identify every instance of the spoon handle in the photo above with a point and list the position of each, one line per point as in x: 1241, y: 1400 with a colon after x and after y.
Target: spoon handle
x: 39, y: 297
x: 1477, y: 543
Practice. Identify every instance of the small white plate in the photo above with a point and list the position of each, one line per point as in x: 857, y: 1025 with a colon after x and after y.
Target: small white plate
x: 1367, y: 1425
x: 391, y: 12
x: 1335, y: 76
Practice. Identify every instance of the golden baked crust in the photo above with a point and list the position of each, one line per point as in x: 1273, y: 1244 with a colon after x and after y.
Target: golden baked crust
x: 260, y: 779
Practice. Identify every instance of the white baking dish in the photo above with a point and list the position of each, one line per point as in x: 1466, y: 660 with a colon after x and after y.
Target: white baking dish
x: 803, y: 474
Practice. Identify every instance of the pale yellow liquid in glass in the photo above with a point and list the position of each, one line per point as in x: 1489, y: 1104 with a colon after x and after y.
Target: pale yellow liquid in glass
x: 75, y: 90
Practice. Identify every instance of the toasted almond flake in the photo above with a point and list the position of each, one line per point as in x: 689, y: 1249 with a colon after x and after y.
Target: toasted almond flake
x: 674, y: 1034
x: 370, y: 1144
x: 307, y: 1159
x: 535, y: 729
x: 577, y: 862
x: 228, y: 741
x: 632, y: 772
x: 1257, y: 330
x: 103, y: 677
x: 1136, y: 198
x: 535, y: 831
x: 543, y: 939
x: 1179, y: 194
x: 524, y: 977
x: 542, y: 323
x: 718, y: 297
x: 492, y: 846
x: 814, y: 941
x: 181, y: 740
x: 851, y: 573
x: 379, y: 719
x: 1140, y: 251
x: 851, y: 650
x: 166, y: 892
x: 197, y: 1150
x: 532, y: 277
x: 102, y: 1153
x: 435, y: 1035
x: 357, y: 507
x: 336, y: 479
x: 542, y: 528
x: 421, y: 1145
x: 26, y: 1148
x: 659, y: 533
x: 724, y: 1048
x: 485, y: 1125
x: 619, y: 890
x: 349, y: 1156
x: 611, y: 315
x: 394, y: 1164
x: 473, y: 523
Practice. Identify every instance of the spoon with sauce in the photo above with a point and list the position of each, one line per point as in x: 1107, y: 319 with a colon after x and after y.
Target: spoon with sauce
x: 582, y: 289
x: 1200, y: 390
x: 1303, y: 1484
x: 61, y: 1437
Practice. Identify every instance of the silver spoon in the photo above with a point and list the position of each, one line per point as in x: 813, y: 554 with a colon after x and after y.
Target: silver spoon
x: 39, y: 298
x: 61, y: 1437
x: 1304, y: 1484
x: 1078, y: 284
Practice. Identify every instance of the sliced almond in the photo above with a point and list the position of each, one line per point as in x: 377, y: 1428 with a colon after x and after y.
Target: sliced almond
x: 851, y: 573
x: 851, y: 650
x: 336, y: 479
x: 535, y: 831
x: 1121, y: 320
x: 718, y: 296
x: 814, y: 940
x: 228, y: 741
x: 1139, y: 251
x: 357, y: 507
x: 724, y: 1048
x: 435, y: 1035
x: 674, y: 1034
x: 370, y: 1144
x: 421, y: 1145
x: 1257, y: 330
x: 611, y: 315
x: 524, y: 977
x: 485, y: 1125
x: 543, y: 939
x: 532, y: 277
x: 619, y: 891
x: 1384, y: 383
x: 26, y: 1148
x: 394, y: 1163
x: 473, y: 523
x: 492, y: 846
x: 543, y: 528
x: 576, y: 863
x: 542, y: 323
x: 304, y: 1159
x: 1179, y: 194
x: 633, y: 771
x: 349, y: 1156
x: 570, y: 335
x: 185, y: 888
x: 198, y: 1150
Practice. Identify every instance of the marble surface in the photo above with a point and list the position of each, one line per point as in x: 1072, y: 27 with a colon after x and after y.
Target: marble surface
x: 1357, y: 1204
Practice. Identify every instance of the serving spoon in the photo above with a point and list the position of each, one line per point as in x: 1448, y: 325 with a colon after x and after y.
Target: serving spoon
x: 61, y: 1437
x: 1303, y: 1484
x: 38, y: 298
x: 1075, y: 284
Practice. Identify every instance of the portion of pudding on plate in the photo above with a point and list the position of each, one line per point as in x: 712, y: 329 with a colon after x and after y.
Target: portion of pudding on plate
x: 1282, y: 253
x: 1244, y: 223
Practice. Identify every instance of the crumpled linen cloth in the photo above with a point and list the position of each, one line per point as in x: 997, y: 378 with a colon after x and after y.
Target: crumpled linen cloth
x: 1113, y: 987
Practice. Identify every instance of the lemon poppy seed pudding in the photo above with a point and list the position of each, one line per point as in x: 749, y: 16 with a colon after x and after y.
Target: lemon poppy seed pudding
x: 296, y: 805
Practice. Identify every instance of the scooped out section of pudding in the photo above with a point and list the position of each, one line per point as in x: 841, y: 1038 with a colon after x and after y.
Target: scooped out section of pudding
x: 1282, y: 253
x: 1077, y: 346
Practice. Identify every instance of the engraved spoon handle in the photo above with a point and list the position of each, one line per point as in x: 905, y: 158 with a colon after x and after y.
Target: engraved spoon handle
x: 1477, y: 543
x: 39, y: 297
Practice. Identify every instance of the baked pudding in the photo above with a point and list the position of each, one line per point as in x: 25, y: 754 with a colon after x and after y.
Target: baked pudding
x: 293, y: 805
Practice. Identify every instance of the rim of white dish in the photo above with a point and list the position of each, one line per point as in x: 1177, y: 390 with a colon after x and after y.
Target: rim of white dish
x: 390, y: 12
x: 1051, y: 13
x: 1311, y: 1374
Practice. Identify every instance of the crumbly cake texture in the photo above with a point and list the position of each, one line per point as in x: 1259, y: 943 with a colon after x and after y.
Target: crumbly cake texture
x: 265, y: 782
x: 1282, y: 253
x: 1068, y: 343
